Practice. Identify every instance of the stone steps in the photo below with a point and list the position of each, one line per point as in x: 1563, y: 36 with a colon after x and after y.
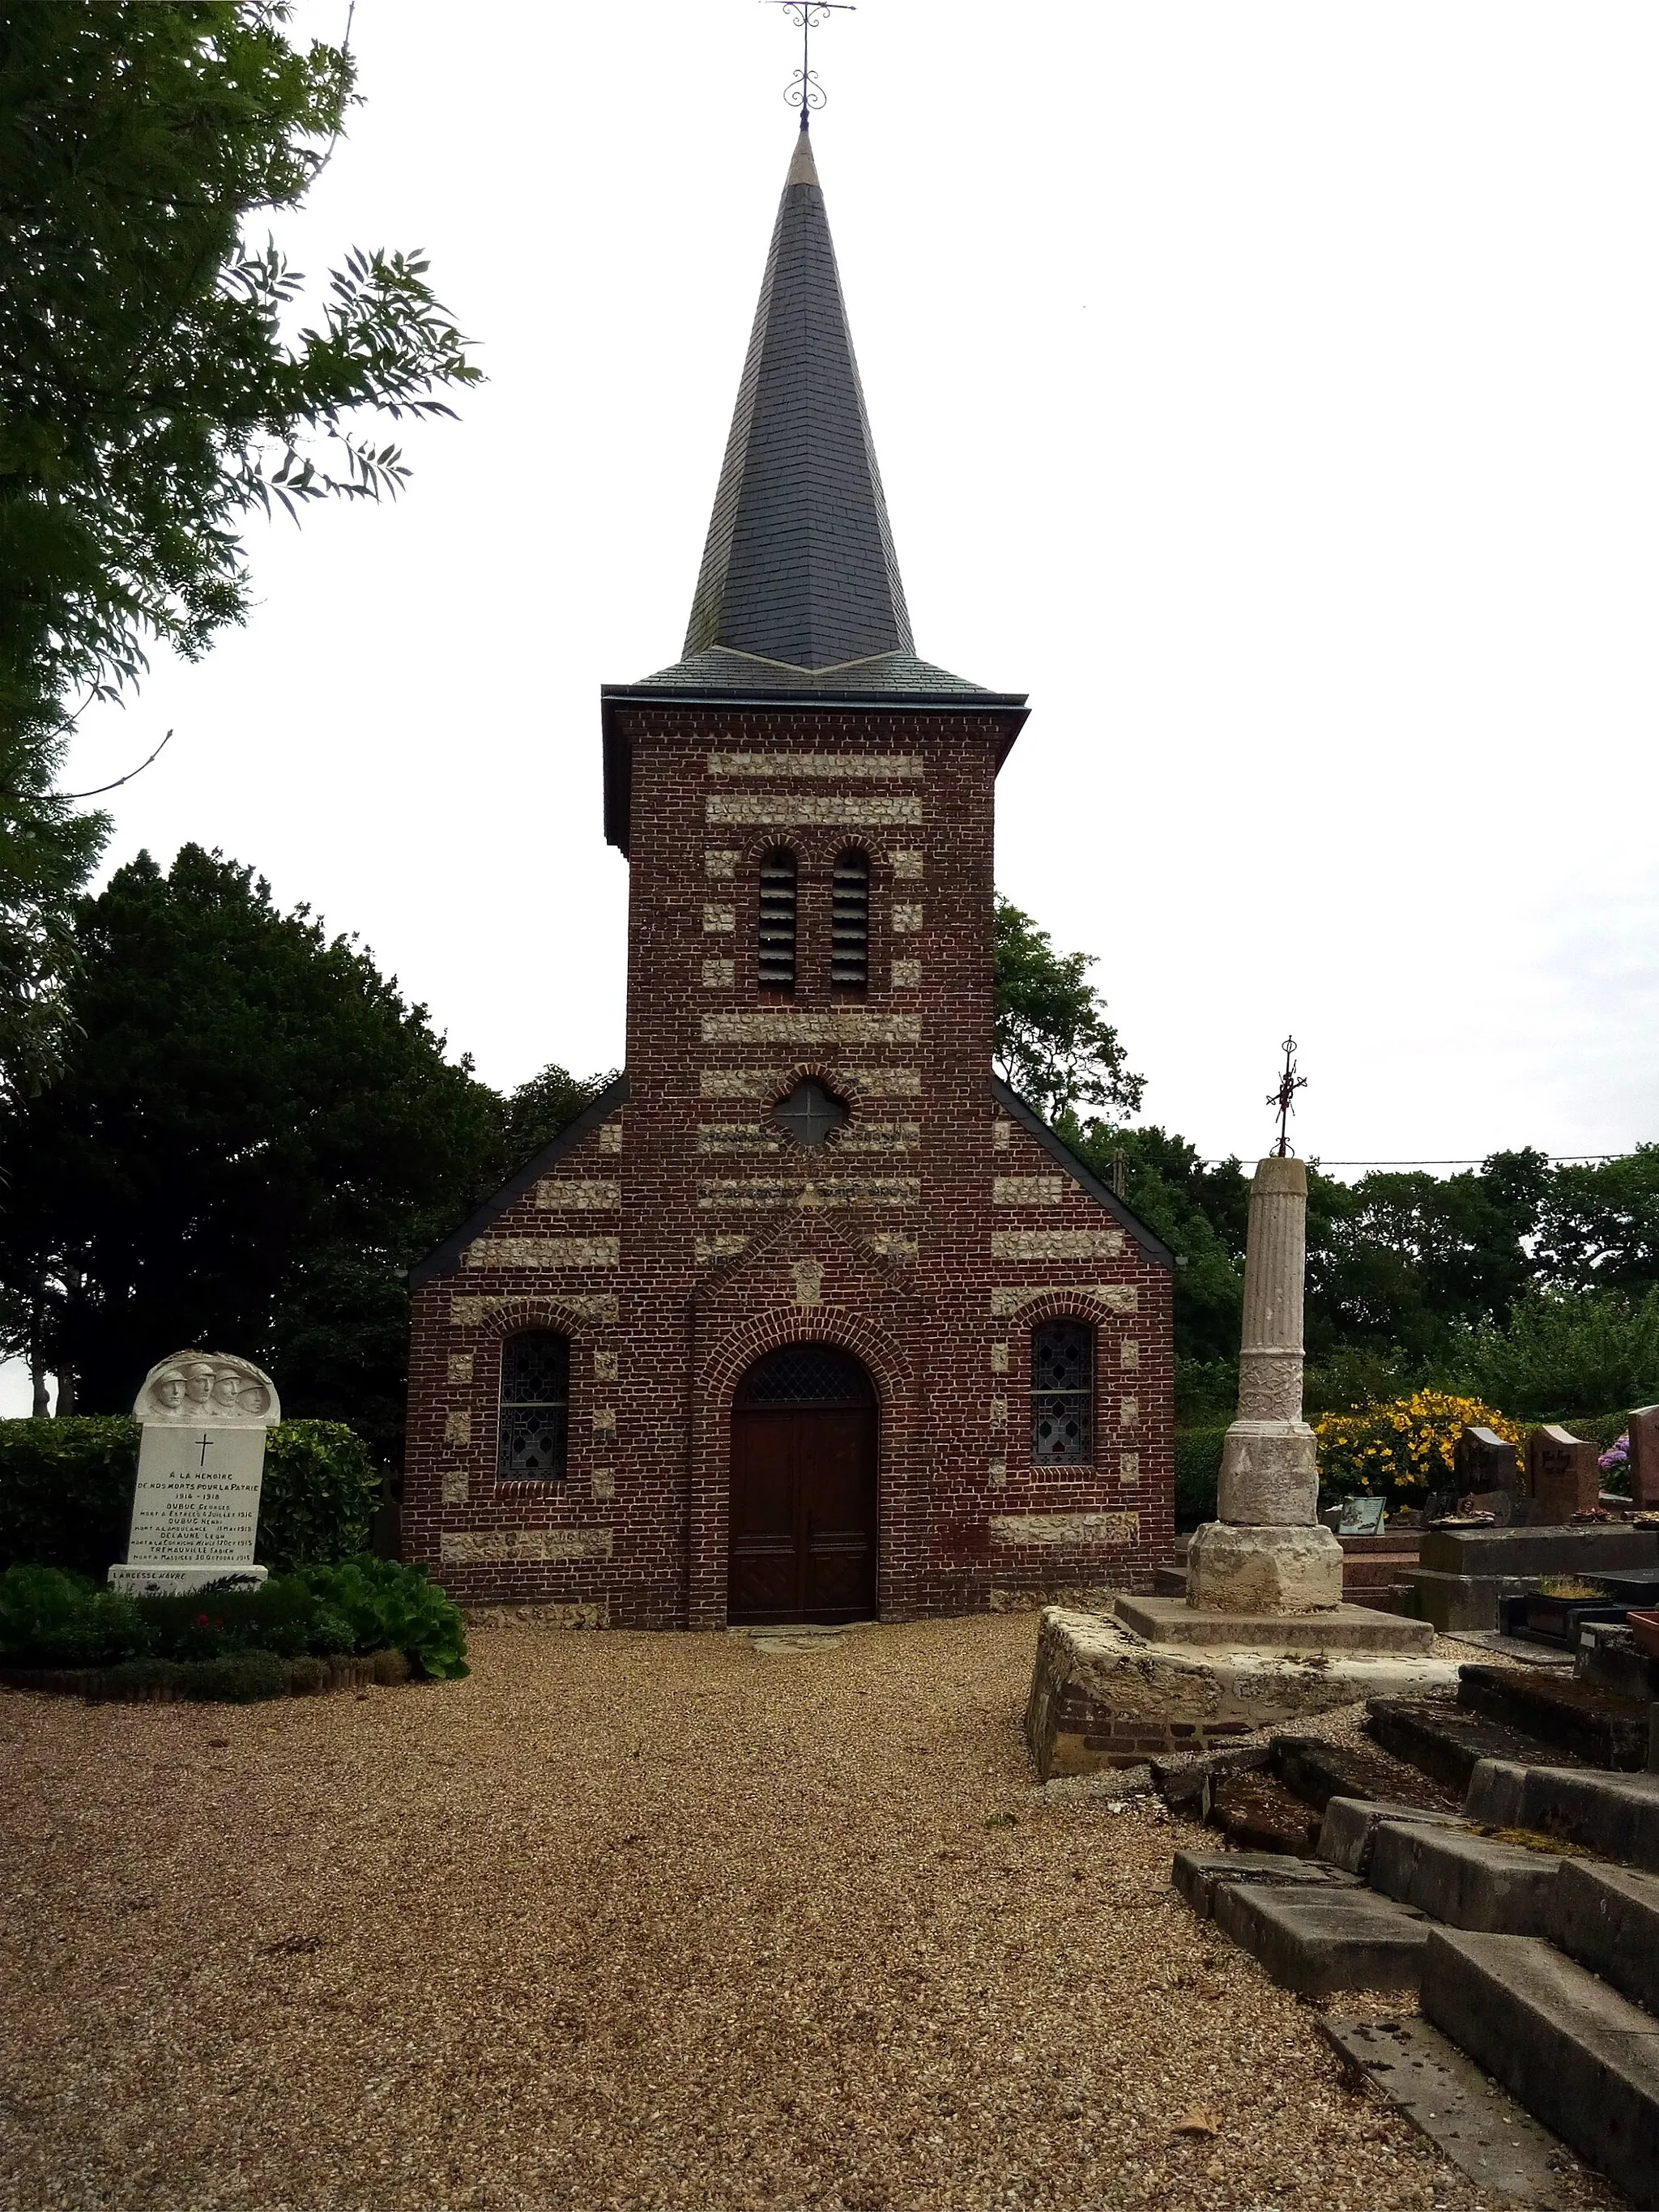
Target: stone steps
x: 1585, y: 1719
x: 1443, y: 1739
x: 1581, y: 2058
x: 1542, y: 1966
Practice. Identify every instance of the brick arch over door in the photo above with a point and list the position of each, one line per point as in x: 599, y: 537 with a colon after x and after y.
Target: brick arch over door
x: 716, y: 1377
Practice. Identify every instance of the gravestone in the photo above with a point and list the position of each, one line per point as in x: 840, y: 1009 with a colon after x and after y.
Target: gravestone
x: 201, y: 1465
x: 1484, y: 1462
x: 1645, y: 1458
x: 1563, y: 1473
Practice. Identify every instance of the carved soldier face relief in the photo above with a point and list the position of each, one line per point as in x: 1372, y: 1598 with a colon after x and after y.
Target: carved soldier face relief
x: 215, y: 1389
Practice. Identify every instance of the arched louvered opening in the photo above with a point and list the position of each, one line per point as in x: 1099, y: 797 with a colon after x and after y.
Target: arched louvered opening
x: 777, y: 921
x: 849, y: 947
x: 535, y: 1416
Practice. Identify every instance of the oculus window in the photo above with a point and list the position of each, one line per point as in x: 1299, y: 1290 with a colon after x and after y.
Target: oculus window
x: 810, y: 1115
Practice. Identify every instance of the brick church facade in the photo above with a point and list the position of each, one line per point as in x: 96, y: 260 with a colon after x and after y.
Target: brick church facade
x: 808, y: 1317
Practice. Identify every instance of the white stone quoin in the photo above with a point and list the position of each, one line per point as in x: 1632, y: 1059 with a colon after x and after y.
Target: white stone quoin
x: 201, y: 1466
x: 1268, y: 1552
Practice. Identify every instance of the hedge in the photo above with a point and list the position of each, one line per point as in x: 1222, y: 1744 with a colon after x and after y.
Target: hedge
x: 66, y: 1493
x: 1197, y: 1474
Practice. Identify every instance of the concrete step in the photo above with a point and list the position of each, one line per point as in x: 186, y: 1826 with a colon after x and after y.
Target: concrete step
x: 1616, y: 1815
x: 1348, y: 1832
x: 1579, y: 2057
x: 1500, y: 2147
x: 1607, y: 1919
x: 1444, y: 1740
x: 1168, y: 1582
x: 1318, y: 1770
x: 1584, y: 1718
x: 1257, y: 1813
x: 1197, y: 1875
x: 1315, y: 1940
x: 1466, y: 1880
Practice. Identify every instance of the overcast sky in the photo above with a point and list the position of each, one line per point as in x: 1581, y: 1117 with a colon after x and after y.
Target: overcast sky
x: 1270, y: 391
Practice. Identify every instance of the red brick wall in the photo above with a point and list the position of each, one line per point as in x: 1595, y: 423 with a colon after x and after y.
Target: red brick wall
x: 923, y: 1237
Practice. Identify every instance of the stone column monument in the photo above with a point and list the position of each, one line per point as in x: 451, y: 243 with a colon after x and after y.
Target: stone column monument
x: 201, y: 1465
x: 1268, y: 1552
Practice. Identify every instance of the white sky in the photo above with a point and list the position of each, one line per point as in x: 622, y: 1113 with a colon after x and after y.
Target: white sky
x: 1269, y: 390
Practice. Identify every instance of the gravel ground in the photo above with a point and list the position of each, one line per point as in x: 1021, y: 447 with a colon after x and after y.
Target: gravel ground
x: 635, y: 1922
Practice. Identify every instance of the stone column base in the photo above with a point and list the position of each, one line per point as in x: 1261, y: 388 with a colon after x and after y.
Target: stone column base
x: 1233, y: 1570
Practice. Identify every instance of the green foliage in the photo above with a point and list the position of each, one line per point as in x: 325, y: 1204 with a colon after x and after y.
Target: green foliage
x: 1598, y: 1225
x: 66, y: 1493
x: 1563, y: 1353
x: 1201, y: 1212
x: 51, y: 1619
x: 321, y: 1490
x: 1197, y: 1473
x: 150, y: 397
x: 253, y: 1134
x: 534, y: 1113
x: 395, y: 1608
x: 1052, y: 1041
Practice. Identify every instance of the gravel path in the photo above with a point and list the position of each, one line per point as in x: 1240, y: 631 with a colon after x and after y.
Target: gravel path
x: 637, y: 1921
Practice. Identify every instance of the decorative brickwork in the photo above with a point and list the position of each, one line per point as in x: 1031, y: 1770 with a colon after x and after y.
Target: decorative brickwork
x: 715, y: 1237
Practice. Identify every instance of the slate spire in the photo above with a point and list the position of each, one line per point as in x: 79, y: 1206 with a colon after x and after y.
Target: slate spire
x: 799, y: 568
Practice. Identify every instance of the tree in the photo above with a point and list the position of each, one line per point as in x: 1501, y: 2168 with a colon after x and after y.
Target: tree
x: 534, y: 1113
x: 1052, y: 1041
x: 252, y: 1136
x: 148, y: 398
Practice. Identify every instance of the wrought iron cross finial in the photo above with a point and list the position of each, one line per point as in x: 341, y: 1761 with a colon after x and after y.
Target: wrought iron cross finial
x: 1285, y: 1097
x: 805, y: 91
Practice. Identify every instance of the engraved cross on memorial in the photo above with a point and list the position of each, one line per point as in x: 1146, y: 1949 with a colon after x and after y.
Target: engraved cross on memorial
x: 201, y: 1467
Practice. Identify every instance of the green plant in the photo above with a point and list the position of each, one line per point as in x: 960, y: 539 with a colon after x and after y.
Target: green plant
x: 1401, y: 1449
x: 1564, y: 1353
x: 397, y: 1607
x: 1197, y: 1473
x: 49, y: 1618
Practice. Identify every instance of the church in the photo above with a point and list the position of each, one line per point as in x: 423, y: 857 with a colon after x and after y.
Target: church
x: 808, y: 1318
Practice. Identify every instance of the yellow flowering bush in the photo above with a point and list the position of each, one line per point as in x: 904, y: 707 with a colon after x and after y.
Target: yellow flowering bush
x: 1400, y: 1450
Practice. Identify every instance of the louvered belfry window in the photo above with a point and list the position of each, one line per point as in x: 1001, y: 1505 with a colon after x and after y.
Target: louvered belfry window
x: 535, y: 1421
x: 849, y: 947
x: 1062, y: 1394
x: 777, y: 922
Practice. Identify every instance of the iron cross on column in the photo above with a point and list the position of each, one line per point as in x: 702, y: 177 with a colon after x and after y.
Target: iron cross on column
x: 805, y: 91
x: 1285, y: 1097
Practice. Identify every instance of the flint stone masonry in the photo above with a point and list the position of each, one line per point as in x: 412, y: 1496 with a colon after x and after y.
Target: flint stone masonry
x: 479, y: 1547
x: 770, y: 1083
x: 1010, y: 1299
x: 553, y: 1196
x: 1077, y: 1531
x: 473, y: 1313
x: 823, y: 767
x: 778, y: 810
x: 1056, y: 1244
x: 832, y: 1025
x: 540, y: 1252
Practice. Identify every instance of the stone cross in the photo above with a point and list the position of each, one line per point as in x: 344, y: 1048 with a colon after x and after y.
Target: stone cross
x: 1268, y: 1552
x: 1563, y: 1473
x: 1644, y: 1457
x: 201, y: 1466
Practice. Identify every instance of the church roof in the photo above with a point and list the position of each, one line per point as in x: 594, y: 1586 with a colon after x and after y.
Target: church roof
x: 800, y: 588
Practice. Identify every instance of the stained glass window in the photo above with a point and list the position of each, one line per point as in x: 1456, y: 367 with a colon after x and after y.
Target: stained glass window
x: 535, y: 1418
x: 1062, y: 1394
x: 849, y: 943
x: 806, y: 1375
x: 777, y: 922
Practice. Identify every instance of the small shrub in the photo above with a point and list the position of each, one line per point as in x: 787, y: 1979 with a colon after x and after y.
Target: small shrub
x: 1565, y: 1352
x: 1402, y: 1449
x: 49, y: 1618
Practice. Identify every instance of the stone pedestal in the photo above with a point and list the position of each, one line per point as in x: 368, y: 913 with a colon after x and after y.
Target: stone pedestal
x: 1267, y: 1552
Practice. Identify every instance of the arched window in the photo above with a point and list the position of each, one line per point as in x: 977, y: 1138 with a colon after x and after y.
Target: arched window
x: 535, y: 1419
x: 777, y: 921
x: 849, y: 944
x: 1063, y: 1394
x: 806, y: 1375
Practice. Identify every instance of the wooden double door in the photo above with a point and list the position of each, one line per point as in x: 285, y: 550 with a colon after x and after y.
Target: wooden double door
x: 804, y: 1492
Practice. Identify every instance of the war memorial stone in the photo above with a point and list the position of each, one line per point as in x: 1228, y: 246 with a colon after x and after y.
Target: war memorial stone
x: 201, y: 1467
